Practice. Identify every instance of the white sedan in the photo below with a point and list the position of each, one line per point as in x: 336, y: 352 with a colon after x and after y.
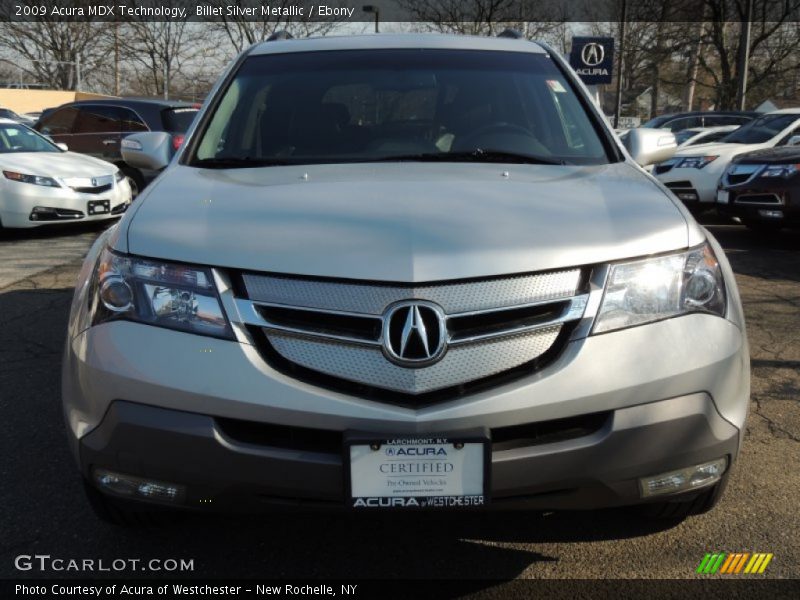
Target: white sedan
x: 43, y: 183
x: 703, y: 135
x: 694, y: 172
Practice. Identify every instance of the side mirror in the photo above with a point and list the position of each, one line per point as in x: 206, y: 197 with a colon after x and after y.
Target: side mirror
x: 650, y: 146
x: 794, y: 141
x: 62, y: 146
x: 150, y: 150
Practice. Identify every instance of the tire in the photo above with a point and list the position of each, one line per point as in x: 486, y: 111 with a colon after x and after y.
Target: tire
x: 679, y: 510
x: 126, y: 514
x: 135, y: 180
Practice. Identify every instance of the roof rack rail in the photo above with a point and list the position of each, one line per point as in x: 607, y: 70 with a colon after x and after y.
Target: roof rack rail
x: 508, y: 32
x: 280, y: 35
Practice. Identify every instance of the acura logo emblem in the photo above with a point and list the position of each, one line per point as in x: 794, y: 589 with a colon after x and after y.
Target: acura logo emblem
x: 414, y: 333
x: 593, y: 54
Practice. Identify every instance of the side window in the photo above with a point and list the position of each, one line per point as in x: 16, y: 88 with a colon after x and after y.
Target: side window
x: 98, y: 119
x: 130, y: 121
x: 684, y: 123
x: 59, y: 122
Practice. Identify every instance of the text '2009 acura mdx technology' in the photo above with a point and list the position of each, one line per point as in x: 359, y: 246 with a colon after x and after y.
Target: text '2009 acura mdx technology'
x: 393, y: 272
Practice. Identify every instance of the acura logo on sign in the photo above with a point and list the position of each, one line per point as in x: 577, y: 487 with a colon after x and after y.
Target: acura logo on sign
x: 414, y: 333
x: 593, y: 54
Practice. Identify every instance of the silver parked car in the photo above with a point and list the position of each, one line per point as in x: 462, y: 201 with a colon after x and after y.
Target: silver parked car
x: 398, y: 272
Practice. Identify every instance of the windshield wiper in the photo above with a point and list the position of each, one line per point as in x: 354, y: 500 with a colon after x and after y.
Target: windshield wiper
x: 477, y: 155
x: 238, y: 162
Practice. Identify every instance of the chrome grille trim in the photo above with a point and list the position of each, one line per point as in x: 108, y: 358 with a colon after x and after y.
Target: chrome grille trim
x: 297, y: 319
x: 460, y: 365
x: 248, y: 314
x: 742, y: 174
x: 372, y: 299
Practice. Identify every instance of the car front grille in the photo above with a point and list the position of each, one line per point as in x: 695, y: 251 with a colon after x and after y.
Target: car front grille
x: 738, y: 174
x: 90, y: 185
x: 766, y: 199
x: 336, y: 334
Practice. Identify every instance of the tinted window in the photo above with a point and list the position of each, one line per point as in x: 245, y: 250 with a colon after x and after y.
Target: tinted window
x: 99, y: 119
x: 178, y: 120
x: 762, y: 129
x: 130, y: 121
x: 711, y: 137
x: 357, y: 106
x: 59, y: 121
x: 684, y: 123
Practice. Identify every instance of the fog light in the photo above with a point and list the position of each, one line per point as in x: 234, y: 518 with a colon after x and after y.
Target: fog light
x: 771, y: 214
x: 683, y: 480
x: 138, y: 487
x: 688, y: 196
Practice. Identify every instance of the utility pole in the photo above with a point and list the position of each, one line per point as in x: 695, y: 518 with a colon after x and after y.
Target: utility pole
x: 116, y: 58
x: 744, y: 57
x: 620, y: 62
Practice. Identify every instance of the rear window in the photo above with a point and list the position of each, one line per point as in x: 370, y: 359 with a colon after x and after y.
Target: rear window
x: 361, y: 106
x: 178, y: 120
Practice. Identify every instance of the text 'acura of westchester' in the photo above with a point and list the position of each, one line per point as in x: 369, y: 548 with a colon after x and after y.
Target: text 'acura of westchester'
x: 404, y: 272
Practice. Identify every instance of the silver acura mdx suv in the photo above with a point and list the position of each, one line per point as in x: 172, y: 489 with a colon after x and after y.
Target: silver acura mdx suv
x: 400, y: 272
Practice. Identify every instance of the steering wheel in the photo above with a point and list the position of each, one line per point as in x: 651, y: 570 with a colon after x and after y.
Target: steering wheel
x: 496, y: 127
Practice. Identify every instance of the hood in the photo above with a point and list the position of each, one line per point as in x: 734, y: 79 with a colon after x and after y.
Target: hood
x: 404, y: 222
x: 782, y: 155
x: 56, y: 164
x: 719, y: 149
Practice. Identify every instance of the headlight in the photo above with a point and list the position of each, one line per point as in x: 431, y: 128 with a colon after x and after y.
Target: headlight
x: 659, y: 288
x: 695, y: 162
x: 34, y: 179
x: 780, y: 171
x: 157, y: 293
x: 119, y: 176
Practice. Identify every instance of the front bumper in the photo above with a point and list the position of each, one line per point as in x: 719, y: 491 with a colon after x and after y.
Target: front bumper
x: 760, y: 203
x: 63, y: 204
x: 693, y: 187
x: 152, y: 402
x: 219, y: 472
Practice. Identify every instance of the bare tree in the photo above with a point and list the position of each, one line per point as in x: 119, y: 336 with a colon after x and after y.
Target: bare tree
x: 158, y: 51
x: 55, y: 53
x: 243, y: 31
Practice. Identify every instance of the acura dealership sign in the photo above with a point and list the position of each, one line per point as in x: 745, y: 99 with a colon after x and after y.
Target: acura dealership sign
x: 593, y: 59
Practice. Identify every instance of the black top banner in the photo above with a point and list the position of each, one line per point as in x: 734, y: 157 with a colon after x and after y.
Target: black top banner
x: 497, y: 12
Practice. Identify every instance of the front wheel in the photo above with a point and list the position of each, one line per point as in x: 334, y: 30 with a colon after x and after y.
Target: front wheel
x: 135, y: 180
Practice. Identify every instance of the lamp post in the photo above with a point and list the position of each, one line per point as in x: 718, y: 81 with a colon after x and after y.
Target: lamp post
x: 371, y: 8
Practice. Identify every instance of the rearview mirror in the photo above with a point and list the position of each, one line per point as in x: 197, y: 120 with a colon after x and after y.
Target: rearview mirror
x: 650, y: 146
x: 149, y: 150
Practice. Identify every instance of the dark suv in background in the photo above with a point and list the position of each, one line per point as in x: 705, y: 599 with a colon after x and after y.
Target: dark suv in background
x: 96, y: 127
x: 688, y: 120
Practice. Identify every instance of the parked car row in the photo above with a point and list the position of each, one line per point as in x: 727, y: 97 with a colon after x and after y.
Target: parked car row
x: 696, y: 172
x: 68, y: 166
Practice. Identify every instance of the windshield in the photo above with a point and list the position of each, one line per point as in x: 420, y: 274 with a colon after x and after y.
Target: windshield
x: 761, y: 130
x: 383, y: 105
x: 18, y: 138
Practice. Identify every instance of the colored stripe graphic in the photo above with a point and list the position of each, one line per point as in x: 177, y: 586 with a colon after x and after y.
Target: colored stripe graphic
x: 734, y: 563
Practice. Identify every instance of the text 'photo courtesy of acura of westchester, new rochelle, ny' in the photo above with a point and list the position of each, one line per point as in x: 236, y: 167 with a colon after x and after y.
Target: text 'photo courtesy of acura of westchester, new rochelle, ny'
x: 411, y: 272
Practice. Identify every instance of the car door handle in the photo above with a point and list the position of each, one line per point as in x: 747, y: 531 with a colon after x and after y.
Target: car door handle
x: 109, y: 142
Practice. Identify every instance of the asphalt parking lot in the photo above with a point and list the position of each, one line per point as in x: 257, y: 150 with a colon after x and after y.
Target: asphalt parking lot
x: 44, y: 511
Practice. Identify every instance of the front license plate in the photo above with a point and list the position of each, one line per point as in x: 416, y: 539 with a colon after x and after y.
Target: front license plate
x: 98, y: 207
x: 409, y: 472
x: 722, y: 196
